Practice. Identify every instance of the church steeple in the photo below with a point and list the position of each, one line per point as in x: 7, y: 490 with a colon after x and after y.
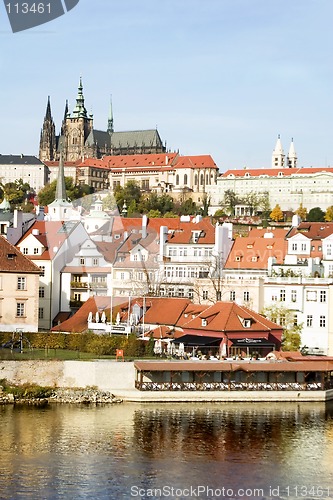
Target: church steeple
x: 278, y: 156
x: 47, y: 144
x: 110, y: 119
x: 292, y: 156
x: 80, y: 110
x: 60, y: 194
x: 60, y: 208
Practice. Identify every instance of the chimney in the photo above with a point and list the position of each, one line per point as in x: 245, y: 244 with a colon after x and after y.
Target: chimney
x: 144, y: 226
x: 18, y: 219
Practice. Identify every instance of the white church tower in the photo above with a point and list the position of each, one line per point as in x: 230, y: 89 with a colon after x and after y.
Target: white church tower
x: 278, y: 156
x: 292, y: 156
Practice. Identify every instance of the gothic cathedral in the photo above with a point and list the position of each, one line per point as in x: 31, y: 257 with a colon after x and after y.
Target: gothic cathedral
x: 78, y: 139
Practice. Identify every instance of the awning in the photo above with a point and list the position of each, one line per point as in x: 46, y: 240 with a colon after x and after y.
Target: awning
x: 199, y: 340
x: 246, y: 342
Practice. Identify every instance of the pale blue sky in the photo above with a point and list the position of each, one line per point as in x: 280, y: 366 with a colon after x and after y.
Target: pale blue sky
x: 219, y: 77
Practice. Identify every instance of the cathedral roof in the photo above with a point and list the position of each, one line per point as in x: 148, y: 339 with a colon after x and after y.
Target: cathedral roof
x: 129, y: 139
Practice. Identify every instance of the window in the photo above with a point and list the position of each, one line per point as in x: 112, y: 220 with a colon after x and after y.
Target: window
x: 246, y: 296
x: 25, y: 251
x: 205, y: 294
x: 295, y: 320
x: 185, y: 179
x: 36, y: 251
x: 247, y: 323
x: 122, y: 276
x: 82, y: 261
x: 293, y: 295
x: 309, y: 320
x: 294, y: 246
x: 95, y: 262
x: 303, y: 247
x: 42, y: 268
x: 41, y: 313
x: 41, y: 292
x: 203, y: 322
x: 191, y: 293
x: 232, y: 295
x: 322, y: 296
x: 21, y: 283
x: 311, y: 295
x: 322, y: 321
x: 77, y: 297
x: 282, y: 295
x: 181, y: 292
x: 20, y: 309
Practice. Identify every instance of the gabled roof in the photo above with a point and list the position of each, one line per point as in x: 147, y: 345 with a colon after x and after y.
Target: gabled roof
x: 313, y: 230
x: 12, y: 260
x: 228, y: 317
x: 51, y: 234
x: 128, y: 161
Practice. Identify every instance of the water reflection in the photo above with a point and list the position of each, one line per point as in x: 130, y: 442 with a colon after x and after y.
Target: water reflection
x: 100, y: 452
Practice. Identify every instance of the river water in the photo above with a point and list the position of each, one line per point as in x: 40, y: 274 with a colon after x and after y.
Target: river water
x: 257, y: 451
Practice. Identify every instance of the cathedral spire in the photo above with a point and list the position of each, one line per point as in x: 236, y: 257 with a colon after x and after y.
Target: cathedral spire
x: 80, y: 110
x: 48, y: 114
x: 47, y: 144
x: 110, y: 119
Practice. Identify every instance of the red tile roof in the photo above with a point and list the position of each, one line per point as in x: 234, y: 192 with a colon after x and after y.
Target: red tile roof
x: 253, y: 253
x: 13, y: 261
x: 273, y: 172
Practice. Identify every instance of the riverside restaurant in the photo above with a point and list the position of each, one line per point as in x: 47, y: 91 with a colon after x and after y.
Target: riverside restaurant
x: 239, y: 375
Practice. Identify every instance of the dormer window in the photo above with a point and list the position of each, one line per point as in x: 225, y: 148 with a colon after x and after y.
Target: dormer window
x: 11, y: 256
x: 203, y: 322
x: 247, y: 323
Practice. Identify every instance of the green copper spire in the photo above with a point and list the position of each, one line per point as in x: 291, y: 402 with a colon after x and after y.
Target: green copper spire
x: 80, y: 110
x: 110, y: 120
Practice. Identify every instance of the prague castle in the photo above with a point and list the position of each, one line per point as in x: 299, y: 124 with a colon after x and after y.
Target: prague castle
x: 80, y: 140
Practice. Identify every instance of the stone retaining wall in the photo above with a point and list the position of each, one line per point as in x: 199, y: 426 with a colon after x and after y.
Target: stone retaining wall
x: 105, y: 375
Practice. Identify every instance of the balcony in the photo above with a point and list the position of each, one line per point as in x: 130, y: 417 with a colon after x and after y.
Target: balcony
x: 97, y: 285
x: 79, y: 284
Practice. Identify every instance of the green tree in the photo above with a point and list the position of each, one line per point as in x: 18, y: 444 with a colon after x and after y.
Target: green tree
x: 163, y: 203
x: 230, y: 201
x: 187, y: 207
x: 131, y: 193
x: 291, y: 337
x: 253, y: 201
x: 329, y: 214
x: 276, y: 214
x: 47, y: 194
x: 16, y: 193
x: 316, y: 214
x: 205, y: 205
x: 153, y: 214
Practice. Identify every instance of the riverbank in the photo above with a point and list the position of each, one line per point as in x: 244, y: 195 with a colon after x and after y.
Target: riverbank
x: 62, y: 395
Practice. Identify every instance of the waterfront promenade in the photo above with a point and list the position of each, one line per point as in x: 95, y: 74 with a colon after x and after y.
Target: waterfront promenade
x: 121, y: 378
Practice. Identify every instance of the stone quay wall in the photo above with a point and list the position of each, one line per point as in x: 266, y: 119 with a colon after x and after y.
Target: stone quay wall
x: 107, y: 375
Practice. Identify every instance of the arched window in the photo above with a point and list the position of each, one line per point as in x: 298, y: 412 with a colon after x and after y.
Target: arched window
x: 207, y: 179
x: 202, y: 179
x: 185, y: 179
x: 196, y: 180
x: 177, y: 180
